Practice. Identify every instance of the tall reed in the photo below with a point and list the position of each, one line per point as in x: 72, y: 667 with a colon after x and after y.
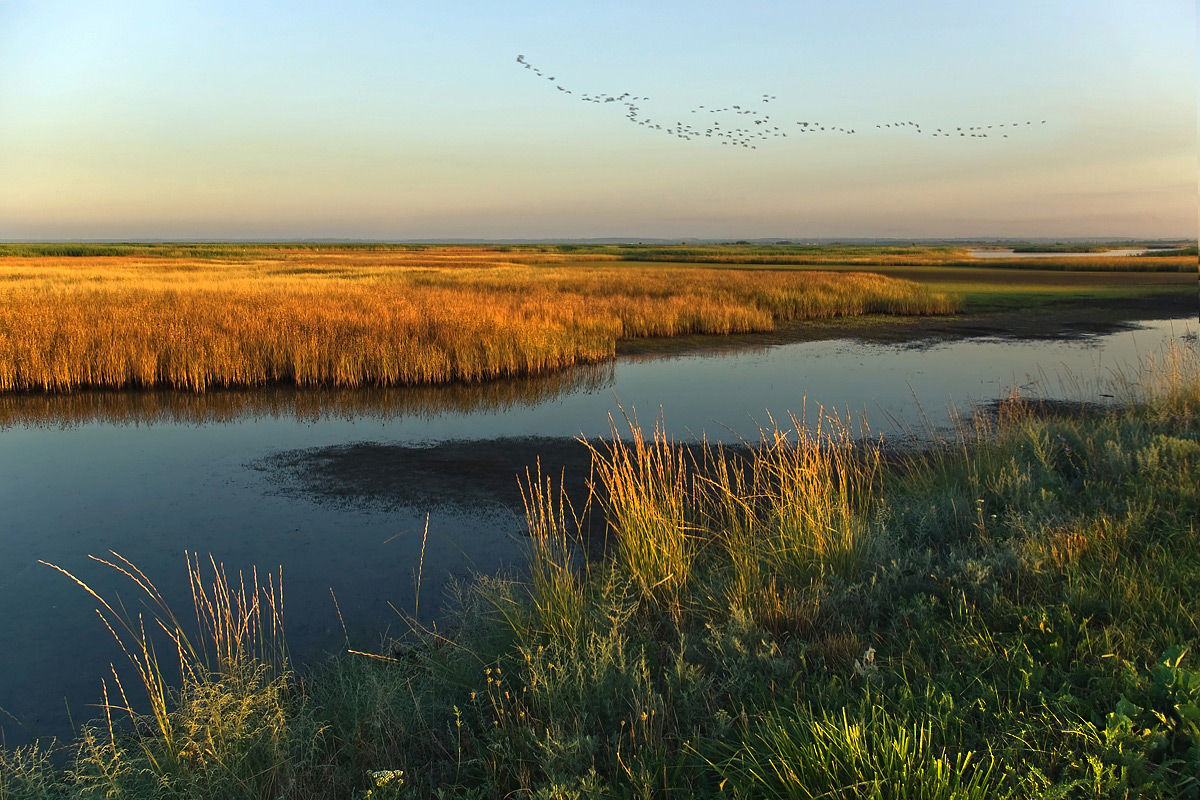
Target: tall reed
x: 647, y: 504
x: 770, y: 518
x: 361, y: 318
x: 556, y: 575
x: 219, y: 704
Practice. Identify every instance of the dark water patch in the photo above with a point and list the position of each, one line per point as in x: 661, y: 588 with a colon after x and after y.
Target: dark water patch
x: 1064, y: 251
x: 455, y: 474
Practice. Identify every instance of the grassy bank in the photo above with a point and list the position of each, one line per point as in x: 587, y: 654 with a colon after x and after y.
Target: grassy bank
x: 1147, y: 262
x: 986, y: 287
x: 383, y: 318
x: 1172, y: 252
x: 1004, y: 615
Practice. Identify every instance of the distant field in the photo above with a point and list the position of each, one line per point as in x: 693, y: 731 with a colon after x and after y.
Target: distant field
x: 1177, y: 261
x: 1181, y: 259
x: 993, y: 286
x: 199, y: 316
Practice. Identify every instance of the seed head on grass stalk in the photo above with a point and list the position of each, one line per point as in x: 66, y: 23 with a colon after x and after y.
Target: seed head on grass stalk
x: 817, y: 490
x: 647, y: 490
x: 238, y: 666
x: 557, y: 587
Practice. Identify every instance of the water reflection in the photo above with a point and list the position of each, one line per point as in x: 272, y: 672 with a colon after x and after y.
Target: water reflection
x: 1010, y: 253
x: 308, y: 405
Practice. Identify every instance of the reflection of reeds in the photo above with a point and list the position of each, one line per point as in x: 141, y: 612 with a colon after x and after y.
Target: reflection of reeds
x: 285, y: 402
x: 360, y: 318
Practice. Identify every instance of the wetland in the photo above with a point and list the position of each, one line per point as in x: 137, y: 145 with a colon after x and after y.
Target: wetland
x: 382, y: 502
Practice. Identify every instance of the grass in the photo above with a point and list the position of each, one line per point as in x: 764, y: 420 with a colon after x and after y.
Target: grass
x: 1059, y: 247
x: 1157, y: 250
x: 1180, y: 262
x: 216, y: 715
x: 196, y: 317
x: 365, y: 317
x: 1171, y: 252
x: 988, y: 286
x: 1009, y: 613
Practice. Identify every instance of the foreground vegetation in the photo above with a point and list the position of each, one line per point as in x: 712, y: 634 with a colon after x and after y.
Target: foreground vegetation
x: 384, y: 318
x: 1010, y: 614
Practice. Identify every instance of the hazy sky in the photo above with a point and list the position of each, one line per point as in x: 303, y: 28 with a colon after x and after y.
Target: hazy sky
x: 402, y: 120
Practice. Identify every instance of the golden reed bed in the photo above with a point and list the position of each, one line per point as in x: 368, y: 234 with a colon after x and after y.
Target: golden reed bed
x: 353, y: 318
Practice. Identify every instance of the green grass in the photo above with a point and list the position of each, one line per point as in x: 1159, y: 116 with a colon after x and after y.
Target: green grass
x: 989, y: 287
x: 982, y: 298
x: 1171, y: 252
x: 1010, y: 613
x: 196, y: 250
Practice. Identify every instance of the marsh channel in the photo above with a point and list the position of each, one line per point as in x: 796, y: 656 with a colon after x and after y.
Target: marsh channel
x: 346, y: 490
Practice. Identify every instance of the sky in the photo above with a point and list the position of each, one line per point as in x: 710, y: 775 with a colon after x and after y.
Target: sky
x: 415, y: 120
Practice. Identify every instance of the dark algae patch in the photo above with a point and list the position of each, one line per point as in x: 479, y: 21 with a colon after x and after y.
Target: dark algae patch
x: 1009, y: 613
x: 458, y: 473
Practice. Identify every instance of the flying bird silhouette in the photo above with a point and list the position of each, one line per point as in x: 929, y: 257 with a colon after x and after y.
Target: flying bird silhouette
x: 764, y: 127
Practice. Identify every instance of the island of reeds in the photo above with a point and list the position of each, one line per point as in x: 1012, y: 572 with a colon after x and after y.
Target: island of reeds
x: 223, y: 316
x: 1009, y: 613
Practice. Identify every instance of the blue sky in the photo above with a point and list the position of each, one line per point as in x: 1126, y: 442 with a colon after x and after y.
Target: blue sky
x: 414, y: 120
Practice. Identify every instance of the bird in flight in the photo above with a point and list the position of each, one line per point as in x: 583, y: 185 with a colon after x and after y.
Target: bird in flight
x: 764, y: 126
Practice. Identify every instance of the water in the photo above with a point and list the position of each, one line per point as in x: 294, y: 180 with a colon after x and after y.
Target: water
x: 1009, y: 253
x: 153, y: 475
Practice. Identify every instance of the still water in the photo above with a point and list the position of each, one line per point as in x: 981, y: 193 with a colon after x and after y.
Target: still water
x: 152, y: 475
x: 1010, y: 253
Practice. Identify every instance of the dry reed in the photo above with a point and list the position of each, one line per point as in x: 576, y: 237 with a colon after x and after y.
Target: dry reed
x: 770, y: 519
x: 240, y: 627
x: 356, y: 318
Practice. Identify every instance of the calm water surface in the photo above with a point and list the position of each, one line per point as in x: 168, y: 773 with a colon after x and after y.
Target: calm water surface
x: 1010, y: 253
x: 154, y: 475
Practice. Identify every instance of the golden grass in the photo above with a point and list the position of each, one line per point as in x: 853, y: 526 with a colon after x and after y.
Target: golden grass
x: 225, y: 726
x: 769, y: 520
x: 353, y: 318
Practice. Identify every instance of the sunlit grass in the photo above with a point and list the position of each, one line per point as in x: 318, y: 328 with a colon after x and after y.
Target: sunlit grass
x: 214, y: 715
x: 366, y: 318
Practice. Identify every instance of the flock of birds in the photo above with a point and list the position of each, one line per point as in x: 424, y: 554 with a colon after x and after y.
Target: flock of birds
x: 748, y: 125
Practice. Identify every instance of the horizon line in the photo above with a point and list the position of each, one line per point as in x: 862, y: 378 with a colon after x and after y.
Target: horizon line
x: 593, y: 239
